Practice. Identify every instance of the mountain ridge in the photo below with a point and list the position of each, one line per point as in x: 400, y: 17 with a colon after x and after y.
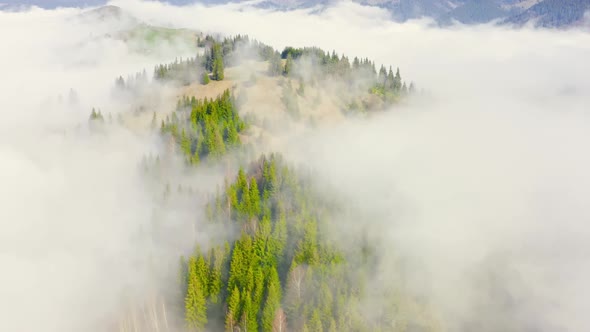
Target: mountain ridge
x: 544, y: 13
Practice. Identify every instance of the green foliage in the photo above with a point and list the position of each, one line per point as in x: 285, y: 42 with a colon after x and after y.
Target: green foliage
x: 195, y: 303
x: 283, y: 269
x: 183, y: 71
x: 217, y: 59
x: 354, y: 76
x: 292, y: 52
x: 209, y: 129
x: 205, y: 80
x: 273, y: 301
x: 233, y: 309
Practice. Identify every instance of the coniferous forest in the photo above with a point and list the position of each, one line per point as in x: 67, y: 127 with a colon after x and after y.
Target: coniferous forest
x: 282, y: 269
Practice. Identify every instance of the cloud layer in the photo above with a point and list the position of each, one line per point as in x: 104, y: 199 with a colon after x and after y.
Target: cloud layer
x: 481, y: 188
x: 74, y: 204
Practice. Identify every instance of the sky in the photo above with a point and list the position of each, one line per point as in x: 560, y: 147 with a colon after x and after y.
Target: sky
x: 482, y: 186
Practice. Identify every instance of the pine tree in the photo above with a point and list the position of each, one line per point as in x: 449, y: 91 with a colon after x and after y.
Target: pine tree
x: 258, y: 289
x: 217, y: 66
x: 215, y: 274
x: 185, y: 143
x: 279, y: 237
x: 390, y: 80
x: 249, y: 314
x: 205, y: 79
x: 195, y: 300
x: 315, y: 323
x: 233, y: 310
x: 254, y: 198
x: 397, y: 86
x: 273, y: 301
x: 232, y: 137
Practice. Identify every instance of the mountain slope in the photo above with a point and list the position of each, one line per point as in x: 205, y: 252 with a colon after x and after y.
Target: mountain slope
x: 475, y: 11
x: 553, y: 13
x: 547, y: 13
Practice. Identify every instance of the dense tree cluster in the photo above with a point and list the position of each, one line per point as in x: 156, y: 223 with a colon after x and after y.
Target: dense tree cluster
x: 214, y: 61
x: 327, y: 63
x: 390, y: 86
x: 218, y: 54
x: 283, y: 270
x: 183, y: 71
x: 132, y: 82
x: 358, y: 74
x: 204, y: 128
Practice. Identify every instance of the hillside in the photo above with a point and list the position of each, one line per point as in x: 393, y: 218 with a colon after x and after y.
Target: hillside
x: 138, y: 36
x: 235, y: 100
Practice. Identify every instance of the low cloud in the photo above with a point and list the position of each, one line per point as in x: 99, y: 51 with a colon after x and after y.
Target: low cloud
x: 75, y: 208
x: 479, y: 190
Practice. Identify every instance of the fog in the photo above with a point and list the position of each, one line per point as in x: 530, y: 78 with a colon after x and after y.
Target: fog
x: 73, y: 202
x: 479, y: 189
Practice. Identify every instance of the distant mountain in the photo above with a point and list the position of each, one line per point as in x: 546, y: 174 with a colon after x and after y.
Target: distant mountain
x: 478, y: 11
x: 553, y: 13
x: 546, y: 13
x: 106, y: 13
x: 50, y: 4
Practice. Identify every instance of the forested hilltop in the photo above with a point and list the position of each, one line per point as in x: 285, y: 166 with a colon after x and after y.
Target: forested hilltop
x: 281, y: 265
x: 285, y: 272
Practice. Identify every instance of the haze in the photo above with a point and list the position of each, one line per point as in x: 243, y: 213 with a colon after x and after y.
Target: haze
x: 479, y: 184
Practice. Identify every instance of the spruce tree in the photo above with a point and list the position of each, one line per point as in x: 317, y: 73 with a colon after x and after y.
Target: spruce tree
x: 233, y: 310
x: 195, y: 300
x: 254, y: 198
x: 315, y: 323
x: 397, y: 86
x: 273, y: 300
x: 205, y: 79
x: 217, y: 65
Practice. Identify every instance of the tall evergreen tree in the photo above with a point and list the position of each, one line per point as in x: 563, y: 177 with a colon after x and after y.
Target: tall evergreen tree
x: 233, y: 310
x: 273, y: 301
x: 195, y: 300
x: 217, y: 66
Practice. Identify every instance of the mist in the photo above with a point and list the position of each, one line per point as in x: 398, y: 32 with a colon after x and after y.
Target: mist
x: 479, y: 190
x: 75, y: 210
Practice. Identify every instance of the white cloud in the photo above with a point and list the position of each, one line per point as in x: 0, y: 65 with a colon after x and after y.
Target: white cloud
x: 490, y: 176
x: 73, y: 201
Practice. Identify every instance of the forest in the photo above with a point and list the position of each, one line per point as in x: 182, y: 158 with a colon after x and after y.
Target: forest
x: 284, y: 270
